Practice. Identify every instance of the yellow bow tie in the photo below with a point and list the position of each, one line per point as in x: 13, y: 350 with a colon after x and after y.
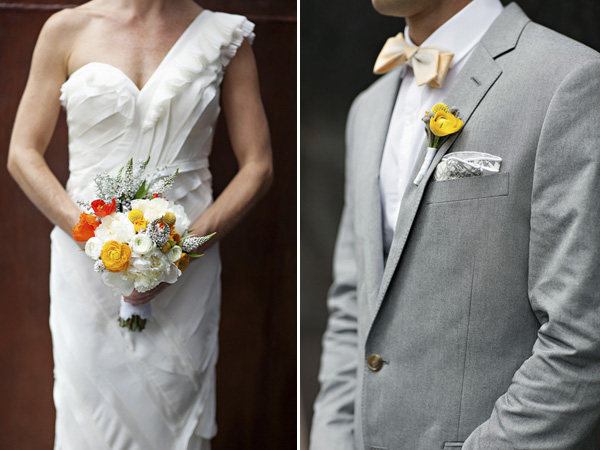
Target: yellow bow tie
x: 430, y: 64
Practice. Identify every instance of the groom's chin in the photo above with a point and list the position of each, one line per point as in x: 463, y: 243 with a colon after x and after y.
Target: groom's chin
x: 403, y: 8
x: 396, y: 8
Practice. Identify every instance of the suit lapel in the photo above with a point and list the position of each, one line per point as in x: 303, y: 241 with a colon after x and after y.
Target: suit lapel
x: 475, y: 80
x: 368, y: 200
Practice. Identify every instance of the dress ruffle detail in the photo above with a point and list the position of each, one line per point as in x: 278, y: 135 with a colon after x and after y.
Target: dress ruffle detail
x: 218, y: 38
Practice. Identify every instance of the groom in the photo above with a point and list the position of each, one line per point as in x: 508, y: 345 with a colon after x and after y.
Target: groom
x: 465, y: 312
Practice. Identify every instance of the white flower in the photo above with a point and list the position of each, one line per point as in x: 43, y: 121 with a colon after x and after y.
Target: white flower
x: 120, y: 281
x: 183, y: 222
x: 116, y: 227
x: 93, y: 247
x: 174, y: 254
x: 156, y: 208
x: 141, y: 244
x: 150, y: 270
x: 151, y: 209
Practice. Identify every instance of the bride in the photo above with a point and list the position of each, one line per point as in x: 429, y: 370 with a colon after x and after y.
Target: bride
x: 139, y: 78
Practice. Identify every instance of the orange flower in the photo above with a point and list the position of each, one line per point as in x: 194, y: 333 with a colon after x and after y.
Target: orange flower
x: 115, y: 256
x: 175, y: 236
x: 84, y: 230
x: 183, y: 262
x: 102, y: 209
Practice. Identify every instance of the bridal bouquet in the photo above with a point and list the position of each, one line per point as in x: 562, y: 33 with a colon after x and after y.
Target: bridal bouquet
x: 137, y: 237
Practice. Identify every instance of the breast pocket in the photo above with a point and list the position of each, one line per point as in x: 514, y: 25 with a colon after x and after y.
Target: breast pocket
x: 467, y: 188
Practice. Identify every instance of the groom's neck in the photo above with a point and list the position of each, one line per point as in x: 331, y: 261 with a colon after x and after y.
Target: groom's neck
x: 424, y: 22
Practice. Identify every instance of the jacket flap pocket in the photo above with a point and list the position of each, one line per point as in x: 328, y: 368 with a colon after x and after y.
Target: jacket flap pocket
x: 467, y: 188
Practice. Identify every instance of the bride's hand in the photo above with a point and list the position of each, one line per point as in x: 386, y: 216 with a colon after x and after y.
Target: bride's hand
x: 139, y: 298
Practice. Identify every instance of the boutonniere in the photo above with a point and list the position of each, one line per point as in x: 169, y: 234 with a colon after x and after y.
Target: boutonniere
x: 440, y: 123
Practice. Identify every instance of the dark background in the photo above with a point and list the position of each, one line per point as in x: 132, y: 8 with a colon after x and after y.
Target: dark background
x: 256, y: 373
x: 340, y: 40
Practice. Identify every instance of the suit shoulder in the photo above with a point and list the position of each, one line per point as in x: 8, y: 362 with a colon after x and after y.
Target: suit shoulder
x: 557, y: 48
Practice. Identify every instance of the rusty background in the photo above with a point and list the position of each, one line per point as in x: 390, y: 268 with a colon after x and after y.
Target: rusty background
x: 256, y: 373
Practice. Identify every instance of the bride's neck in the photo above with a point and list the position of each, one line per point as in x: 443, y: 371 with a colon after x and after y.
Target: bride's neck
x: 146, y: 8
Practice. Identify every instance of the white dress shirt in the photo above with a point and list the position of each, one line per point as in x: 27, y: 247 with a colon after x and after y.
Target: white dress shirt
x: 459, y: 35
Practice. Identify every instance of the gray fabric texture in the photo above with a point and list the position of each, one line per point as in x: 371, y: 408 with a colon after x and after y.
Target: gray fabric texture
x: 487, y: 310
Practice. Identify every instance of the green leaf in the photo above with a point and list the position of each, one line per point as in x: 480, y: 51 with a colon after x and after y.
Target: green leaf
x: 194, y: 255
x: 141, y: 192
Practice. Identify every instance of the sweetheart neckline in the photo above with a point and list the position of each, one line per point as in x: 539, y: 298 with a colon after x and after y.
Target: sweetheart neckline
x: 158, y: 68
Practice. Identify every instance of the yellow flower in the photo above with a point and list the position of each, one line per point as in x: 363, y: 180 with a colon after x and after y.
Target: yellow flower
x: 115, y: 256
x: 444, y: 123
x: 169, y: 218
x: 183, y: 262
x: 135, y: 215
x: 440, y: 107
x: 140, y: 224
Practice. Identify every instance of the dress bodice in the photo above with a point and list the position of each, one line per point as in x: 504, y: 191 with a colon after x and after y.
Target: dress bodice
x: 171, y: 118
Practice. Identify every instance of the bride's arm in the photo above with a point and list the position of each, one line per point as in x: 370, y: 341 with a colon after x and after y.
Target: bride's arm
x: 35, y: 122
x: 249, y: 136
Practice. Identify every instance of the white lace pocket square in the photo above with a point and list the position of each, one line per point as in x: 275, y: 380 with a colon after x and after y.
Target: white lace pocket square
x: 466, y: 164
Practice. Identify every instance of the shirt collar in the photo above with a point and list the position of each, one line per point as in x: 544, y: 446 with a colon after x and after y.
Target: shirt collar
x: 463, y: 30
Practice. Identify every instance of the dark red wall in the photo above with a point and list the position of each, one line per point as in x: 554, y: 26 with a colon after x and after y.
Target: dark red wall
x: 256, y: 381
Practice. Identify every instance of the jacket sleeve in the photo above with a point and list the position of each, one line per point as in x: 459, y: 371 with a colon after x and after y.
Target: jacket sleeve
x: 332, y: 426
x: 553, y: 402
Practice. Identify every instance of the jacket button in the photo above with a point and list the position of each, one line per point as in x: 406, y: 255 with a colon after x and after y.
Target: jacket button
x: 375, y: 362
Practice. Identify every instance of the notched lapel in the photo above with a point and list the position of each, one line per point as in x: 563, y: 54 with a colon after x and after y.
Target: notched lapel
x: 368, y: 197
x: 476, y: 78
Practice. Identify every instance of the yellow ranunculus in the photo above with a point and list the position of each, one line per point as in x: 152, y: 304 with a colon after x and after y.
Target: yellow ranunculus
x: 115, y: 256
x: 444, y: 123
x: 140, y: 224
x: 135, y: 215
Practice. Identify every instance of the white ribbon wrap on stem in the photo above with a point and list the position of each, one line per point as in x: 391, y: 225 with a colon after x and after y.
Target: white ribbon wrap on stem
x: 431, y: 151
x: 128, y: 310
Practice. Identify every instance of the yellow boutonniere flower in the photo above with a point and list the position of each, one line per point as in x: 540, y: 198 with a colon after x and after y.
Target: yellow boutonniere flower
x: 440, y: 123
x: 444, y: 123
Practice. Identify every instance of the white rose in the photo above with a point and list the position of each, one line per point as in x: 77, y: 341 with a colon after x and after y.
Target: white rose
x: 116, y: 227
x: 93, y: 247
x: 174, y: 254
x: 141, y: 244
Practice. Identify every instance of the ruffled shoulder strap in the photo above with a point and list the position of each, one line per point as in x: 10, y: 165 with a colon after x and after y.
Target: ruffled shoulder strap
x: 207, y: 53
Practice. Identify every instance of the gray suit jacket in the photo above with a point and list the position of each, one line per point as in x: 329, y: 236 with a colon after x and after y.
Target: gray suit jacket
x: 487, y: 310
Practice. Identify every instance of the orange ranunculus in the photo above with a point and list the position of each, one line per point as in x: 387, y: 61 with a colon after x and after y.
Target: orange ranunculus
x: 444, y: 123
x: 175, y: 236
x: 102, y: 209
x: 115, y: 256
x: 84, y: 230
x: 183, y: 262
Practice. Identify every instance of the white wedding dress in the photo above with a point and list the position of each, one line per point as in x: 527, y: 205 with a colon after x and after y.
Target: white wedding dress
x: 154, y: 390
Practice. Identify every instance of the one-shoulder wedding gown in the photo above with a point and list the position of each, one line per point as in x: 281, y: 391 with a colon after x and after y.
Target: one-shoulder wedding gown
x: 154, y: 390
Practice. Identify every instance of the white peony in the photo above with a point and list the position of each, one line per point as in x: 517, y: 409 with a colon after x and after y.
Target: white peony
x: 150, y: 270
x: 174, y: 254
x: 141, y: 244
x: 120, y: 281
x: 116, y: 227
x: 151, y: 209
x: 93, y: 247
x: 182, y: 224
x: 157, y: 207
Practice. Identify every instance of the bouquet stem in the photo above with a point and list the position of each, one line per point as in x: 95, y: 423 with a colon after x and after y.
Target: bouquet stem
x: 134, y: 318
x: 134, y: 323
